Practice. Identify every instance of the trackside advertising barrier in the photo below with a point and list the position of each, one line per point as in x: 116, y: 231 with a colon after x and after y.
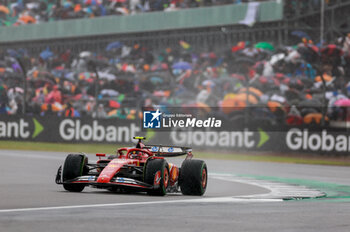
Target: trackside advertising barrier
x: 117, y: 131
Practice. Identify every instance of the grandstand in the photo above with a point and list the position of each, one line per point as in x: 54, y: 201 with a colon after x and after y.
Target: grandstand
x: 220, y: 47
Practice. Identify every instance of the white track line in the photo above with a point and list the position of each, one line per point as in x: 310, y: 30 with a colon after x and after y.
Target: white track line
x: 16, y: 154
x: 201, y: 200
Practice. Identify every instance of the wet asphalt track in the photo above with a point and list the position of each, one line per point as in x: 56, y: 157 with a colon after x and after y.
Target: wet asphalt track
x: 27, y: 188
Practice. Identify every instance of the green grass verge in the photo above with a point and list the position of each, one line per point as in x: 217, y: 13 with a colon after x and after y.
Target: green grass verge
x: 111, y: 149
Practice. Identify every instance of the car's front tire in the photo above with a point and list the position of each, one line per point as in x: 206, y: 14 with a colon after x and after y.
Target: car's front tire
x: 74, y: 166
x: 193, y: 177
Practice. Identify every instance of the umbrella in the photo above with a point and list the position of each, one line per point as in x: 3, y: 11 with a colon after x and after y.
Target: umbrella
x: 109, y: 92
x: 162, y: 66
x: 17, y: 89
x: 87, y: 76
x: 70, y: 76
x: 4, y: 9
x: 55, y: 107
x: 91, y: 2
x: 274, y: 106
x: 156, y: 80
x: 161, y: 93
x: 294, y: 120
x: 208, y: 83
x: 107, y: 76
x: 276, y: 58
x: 250, y: 52
x: 301, y: 34
x: 306, y: 111
x: 342, y: 103
x: 83, y: 97
x: 332, y: 50
x: 277, y: 98
x: 314, y: 118
x: 243, y: 97
x: 184, y: 45
x: 114, y: 45
x: 85, y: 54
x: 265, y: 46
x: 46, y: 54
x: 114, y: 104
x: 326, y: 78
x: 27, y: 19
x: 331, y: 54
x: 182, y: 66
x: 240, y: 45
x: 229, y: 105
x: 112, y: 113
x: 122, y: 10
x: 67, y: 4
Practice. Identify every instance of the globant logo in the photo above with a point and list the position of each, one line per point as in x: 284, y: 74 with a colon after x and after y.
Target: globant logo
x: 235, y: 139
x: 151, y: 119
x: 297, y: 139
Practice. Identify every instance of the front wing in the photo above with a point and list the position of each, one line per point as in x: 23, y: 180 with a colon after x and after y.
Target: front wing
x: 115, y: 182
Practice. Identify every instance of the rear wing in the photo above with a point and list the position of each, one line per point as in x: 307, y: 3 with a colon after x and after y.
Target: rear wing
x: 168, y: 151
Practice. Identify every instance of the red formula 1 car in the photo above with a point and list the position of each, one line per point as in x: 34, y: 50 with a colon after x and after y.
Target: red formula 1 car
x: 141, y: 168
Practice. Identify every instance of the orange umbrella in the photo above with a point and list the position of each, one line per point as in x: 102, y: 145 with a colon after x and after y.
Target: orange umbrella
x: 273, y: 106
x: 229, y: 105
x: 27, y: 19
x: 314, y: 117
x: 56, y: 107
x: 4, y: 9
x: 113, y: 112
x: 326, y: 78
x: 243, y: 97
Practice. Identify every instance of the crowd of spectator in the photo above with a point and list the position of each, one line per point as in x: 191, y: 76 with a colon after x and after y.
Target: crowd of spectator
x: 294, y: 84
x: 20, y: 12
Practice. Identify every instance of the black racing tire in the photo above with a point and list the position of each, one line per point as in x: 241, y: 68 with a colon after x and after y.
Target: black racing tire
x: 74, y: 166
x: 157, y: 168
x: 193, y: 177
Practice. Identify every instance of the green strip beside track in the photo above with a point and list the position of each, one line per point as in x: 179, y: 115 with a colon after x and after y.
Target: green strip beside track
x: 111, y: 149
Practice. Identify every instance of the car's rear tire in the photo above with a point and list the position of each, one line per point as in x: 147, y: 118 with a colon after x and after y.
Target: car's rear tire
x: 193, y: 177
x: 74, y: 166
x: 157, y: 174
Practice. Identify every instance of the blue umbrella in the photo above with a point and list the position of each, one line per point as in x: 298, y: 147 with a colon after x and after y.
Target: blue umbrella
x: 301, y: 34
x: 67, y: 4
x: 182, y: 66
x: 46, y: 54
x: 12, y: 52
x: 156, y: 80
x: 114, y: 45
